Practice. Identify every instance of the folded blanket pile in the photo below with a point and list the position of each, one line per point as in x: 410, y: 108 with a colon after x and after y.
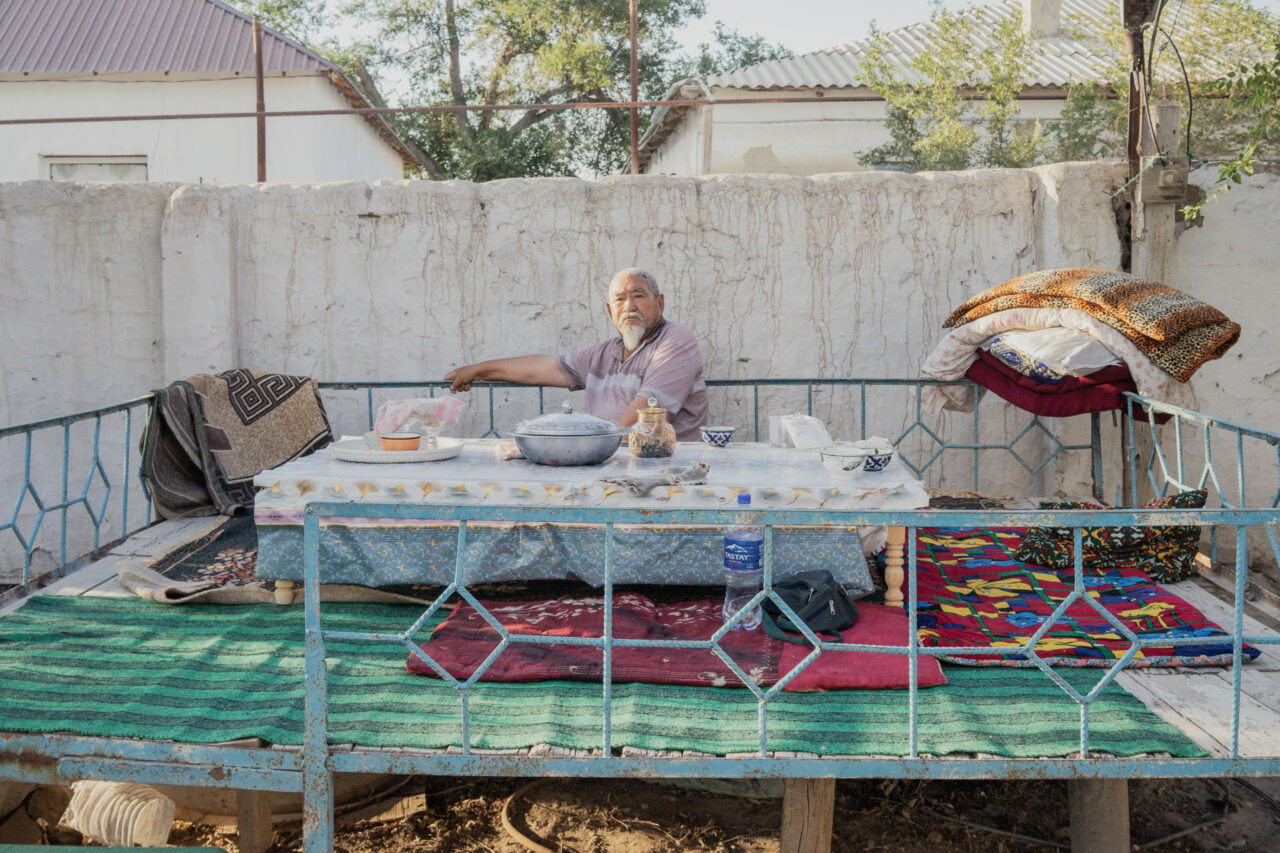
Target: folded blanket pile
x: 1160, y: 336
x: 1178, y: 332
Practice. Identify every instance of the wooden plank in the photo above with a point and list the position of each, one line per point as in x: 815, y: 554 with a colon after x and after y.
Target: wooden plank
x: 808, y: 811
x: 1223, y: 614
x: 253, y: 821
x: 110, y: 588
x: 1202, y: 697
x: 77, y: 583
x: 1161, y: 705
x: 166, y: 535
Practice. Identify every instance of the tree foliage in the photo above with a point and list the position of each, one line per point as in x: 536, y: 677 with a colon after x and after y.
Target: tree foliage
x: 933, y: 125
x: 955, y: 108
x: 496, y: 52
x: 491, y: 52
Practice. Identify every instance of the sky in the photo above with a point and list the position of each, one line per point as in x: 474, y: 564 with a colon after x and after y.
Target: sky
x: 807, y: 25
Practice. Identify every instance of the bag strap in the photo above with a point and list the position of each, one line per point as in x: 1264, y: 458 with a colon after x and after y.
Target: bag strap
x: 771, y: 628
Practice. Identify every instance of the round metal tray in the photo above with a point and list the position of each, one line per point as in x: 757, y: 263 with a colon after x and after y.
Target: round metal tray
x: 355, y: 450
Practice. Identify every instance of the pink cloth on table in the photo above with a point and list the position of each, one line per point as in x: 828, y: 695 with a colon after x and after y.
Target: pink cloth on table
x: 393, y: 415
x: 463, y: 641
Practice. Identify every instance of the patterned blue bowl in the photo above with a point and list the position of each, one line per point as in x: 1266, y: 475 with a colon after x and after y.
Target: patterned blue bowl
x: 717, y: 436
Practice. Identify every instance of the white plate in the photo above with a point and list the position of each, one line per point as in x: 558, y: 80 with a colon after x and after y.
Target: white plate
x: 355, y: 450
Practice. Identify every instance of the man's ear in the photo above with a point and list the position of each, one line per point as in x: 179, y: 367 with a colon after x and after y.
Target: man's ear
x: 662, y: 304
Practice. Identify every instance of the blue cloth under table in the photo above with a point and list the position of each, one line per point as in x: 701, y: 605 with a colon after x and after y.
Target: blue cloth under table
x: 379, y: 552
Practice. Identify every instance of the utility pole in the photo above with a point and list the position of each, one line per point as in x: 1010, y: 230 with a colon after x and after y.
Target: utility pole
x: 262, y: 103
x: 635, y: 86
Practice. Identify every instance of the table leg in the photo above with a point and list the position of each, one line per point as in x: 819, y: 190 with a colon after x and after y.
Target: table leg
x: 284, y: 592
x: 894, y: 560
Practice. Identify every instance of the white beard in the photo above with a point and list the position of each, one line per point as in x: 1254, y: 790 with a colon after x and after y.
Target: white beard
x: 631, y: 336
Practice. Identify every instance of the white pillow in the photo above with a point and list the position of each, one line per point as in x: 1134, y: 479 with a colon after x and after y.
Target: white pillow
x: 1066, y: 351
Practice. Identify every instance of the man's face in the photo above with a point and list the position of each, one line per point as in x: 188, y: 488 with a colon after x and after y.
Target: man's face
x: 634, y: 310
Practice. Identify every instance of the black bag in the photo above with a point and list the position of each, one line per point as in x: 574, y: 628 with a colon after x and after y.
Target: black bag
x: 817, y: 599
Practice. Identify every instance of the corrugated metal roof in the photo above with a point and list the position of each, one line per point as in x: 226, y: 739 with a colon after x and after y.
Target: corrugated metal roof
x: 140, y: 36
x: 1059, y: 60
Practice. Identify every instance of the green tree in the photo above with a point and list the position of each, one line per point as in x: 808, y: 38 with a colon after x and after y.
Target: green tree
x: 1254, y: 90
x: 934, y: 124
x: 300, y: 20
x: 541, y: 52
x: 932, y: 111
x: 728, y: 50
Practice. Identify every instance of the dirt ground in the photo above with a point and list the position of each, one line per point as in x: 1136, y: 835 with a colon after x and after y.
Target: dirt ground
x: 589, y: 816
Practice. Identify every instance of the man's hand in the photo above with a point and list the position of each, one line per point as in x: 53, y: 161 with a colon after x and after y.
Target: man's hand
x: 462, y: 377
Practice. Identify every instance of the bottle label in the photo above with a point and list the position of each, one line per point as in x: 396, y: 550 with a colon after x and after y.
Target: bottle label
x: 742, y: 555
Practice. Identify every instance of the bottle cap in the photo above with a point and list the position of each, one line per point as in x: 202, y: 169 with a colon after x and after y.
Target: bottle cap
x: 744, y: 498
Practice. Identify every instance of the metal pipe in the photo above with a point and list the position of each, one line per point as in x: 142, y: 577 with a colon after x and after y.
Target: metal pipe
x: 635, y: 88
x: 448, y: 108
x: 262, y: 102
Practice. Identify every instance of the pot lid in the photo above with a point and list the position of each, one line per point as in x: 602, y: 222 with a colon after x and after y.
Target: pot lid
x: 567, y: 422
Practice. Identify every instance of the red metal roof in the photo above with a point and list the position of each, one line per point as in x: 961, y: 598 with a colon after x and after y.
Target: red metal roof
x: 140, y: 36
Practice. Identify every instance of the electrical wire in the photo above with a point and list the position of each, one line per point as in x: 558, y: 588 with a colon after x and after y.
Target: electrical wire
x: 1186, y: 81
x: 1147, y: 78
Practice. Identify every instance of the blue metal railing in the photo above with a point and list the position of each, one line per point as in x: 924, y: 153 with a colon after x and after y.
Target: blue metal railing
x: 104, y: 500
x: 78, y: 541
x: 902, y: 431
x: 319, y: 760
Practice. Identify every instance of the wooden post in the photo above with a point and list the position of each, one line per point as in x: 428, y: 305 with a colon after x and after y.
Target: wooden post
x: 1099, y: 810
x: 253, y: 821
x: 895, y: 560
x: 808, y: 811
x: 635, y: 86
x: 1159, y: 194
x: 262, y: 102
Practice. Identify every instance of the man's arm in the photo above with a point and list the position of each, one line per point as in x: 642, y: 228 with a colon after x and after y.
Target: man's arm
x: 629, y: 415
x: 524, y: 369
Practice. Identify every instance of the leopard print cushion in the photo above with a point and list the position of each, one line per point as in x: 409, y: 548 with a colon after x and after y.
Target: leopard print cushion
x: 1167, y: 554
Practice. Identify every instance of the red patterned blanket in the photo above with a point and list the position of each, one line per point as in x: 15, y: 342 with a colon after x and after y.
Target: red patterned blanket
x: 463, y: 641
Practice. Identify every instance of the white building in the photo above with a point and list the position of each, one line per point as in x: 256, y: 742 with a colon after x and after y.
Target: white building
x: 812, y: 138
x: 76, y: 58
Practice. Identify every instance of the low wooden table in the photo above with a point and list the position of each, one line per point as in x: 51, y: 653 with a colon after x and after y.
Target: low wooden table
x: 776, y: 478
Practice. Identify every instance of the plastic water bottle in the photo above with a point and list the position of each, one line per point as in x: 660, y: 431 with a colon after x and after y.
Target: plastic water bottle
x: 743, y: 547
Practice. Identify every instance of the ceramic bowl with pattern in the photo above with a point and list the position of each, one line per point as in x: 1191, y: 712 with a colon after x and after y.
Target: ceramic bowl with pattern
x: 849, y: 461
x: 717, y: 436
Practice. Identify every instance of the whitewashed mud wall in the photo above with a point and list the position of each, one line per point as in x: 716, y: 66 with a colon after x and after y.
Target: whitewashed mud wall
x: 110, y: 290
x: 844, y: 275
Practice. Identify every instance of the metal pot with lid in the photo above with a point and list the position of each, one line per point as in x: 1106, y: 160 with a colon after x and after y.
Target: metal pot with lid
x: 568, y: 438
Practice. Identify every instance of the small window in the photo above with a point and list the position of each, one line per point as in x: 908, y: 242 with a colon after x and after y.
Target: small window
x: 105, y: 168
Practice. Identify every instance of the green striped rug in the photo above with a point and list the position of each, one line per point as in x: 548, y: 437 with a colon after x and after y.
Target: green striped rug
x: 204, y: 674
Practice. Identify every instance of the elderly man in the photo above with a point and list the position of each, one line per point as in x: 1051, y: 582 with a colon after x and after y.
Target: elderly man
x: 651, y: 357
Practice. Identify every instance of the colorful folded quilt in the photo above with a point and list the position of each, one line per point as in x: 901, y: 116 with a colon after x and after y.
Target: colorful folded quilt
x: 974, y: 591
x: 465, y: 640
x: 1166, y: 554
x: 1178, y: 332
x: 959, y: 348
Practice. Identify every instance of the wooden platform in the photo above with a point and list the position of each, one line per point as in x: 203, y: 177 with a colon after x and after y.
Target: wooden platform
x: 1197, y: 700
